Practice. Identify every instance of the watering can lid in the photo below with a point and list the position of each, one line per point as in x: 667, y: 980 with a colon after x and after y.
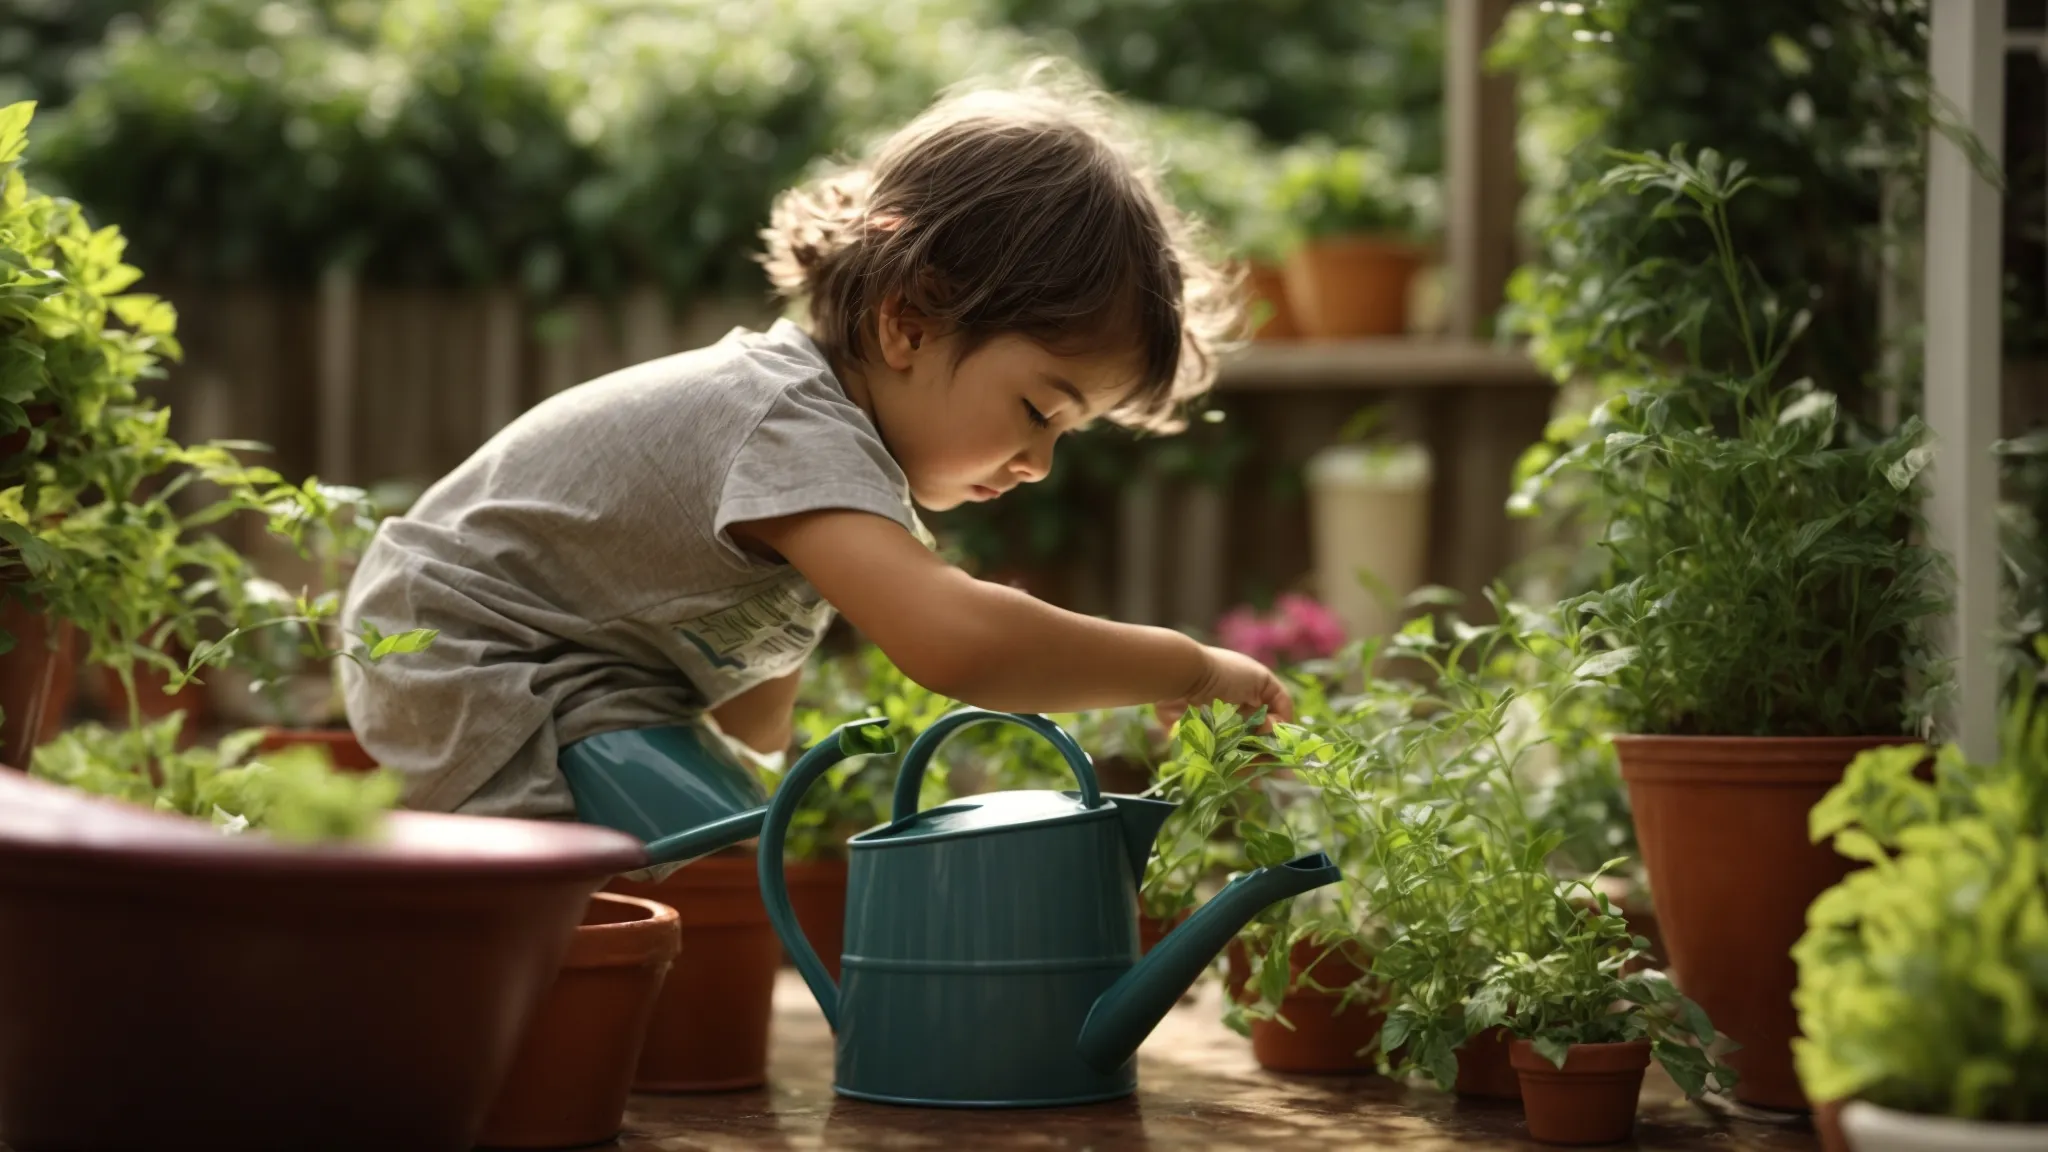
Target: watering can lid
x: 988, y: 812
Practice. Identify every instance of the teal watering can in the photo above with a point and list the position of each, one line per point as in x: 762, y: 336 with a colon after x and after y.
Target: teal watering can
x: 991, y: 956
x: 679, y: 789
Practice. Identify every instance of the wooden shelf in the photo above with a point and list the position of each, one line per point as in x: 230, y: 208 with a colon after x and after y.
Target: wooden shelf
x: 1388, y: 362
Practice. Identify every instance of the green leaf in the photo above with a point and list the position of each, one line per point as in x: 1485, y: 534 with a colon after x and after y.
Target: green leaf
x: 416, y: 640
x: 14, y: 121
x: 1552, y: 1049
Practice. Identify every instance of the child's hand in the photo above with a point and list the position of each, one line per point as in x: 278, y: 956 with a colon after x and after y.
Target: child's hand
x: 1235, y: 679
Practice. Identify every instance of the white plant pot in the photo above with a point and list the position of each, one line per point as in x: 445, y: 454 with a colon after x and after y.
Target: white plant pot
x: 1369, y: 516
x: 1869, y: 1128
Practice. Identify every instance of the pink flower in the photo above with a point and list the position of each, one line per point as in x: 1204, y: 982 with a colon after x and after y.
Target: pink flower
x: 1300, y: 628
x: 1313, y: 631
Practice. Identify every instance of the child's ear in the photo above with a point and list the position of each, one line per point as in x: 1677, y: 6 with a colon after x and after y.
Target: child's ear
x: 900, y: 330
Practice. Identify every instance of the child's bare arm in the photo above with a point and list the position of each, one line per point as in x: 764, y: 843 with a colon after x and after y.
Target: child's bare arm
x: 996, y: 647
x: 760, y: 717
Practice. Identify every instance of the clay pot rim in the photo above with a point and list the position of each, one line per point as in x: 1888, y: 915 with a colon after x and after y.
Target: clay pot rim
x: 654, y: 938
x: 1620, y: 1057
x: 49, y: 828
x: 1763, y: 760
x: 1381, y: 243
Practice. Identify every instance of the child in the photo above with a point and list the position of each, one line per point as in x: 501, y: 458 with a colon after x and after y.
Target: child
x: 667, y: 544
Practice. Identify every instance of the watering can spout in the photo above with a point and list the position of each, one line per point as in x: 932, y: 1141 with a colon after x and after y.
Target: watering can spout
x: 1125, y: 1014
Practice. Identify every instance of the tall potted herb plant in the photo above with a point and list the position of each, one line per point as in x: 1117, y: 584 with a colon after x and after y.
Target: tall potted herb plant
x: 1763, y: 617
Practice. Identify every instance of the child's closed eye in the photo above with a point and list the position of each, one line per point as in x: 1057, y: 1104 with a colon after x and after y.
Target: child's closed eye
x: 1038, y: 418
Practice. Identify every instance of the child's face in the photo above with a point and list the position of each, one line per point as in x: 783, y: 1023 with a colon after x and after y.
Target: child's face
x: 973, y: 432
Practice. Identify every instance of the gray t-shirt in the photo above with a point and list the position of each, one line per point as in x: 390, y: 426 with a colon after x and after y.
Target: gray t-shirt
x: 580, y: 573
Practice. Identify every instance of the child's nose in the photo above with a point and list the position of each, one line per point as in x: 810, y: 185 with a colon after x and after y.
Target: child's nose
x: 1032, y: 464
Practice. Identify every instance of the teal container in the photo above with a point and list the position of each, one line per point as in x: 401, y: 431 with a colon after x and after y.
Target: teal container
x: 991, y: 956
x: 676, y: 788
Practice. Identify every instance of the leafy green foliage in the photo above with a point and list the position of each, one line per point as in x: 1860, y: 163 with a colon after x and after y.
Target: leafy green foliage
x: 1351, y: 191
x: 1765, y: 574
x: 1923, y: 979
x: 1358, y: 71
x: 97, y: 502
x: 1578, y: 988
x: 294, y: 795
x: 856, y: 793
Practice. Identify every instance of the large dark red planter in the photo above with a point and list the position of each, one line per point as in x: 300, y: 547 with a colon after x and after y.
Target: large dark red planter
x: 710, y: 1030
x: 163, y: 986
x: 1723, y: 827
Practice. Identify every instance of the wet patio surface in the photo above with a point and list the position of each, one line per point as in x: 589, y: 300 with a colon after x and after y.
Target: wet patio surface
x: 1198, y: 1089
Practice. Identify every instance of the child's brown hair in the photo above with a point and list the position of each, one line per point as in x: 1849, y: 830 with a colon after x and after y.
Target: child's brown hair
x: 1020, y: 210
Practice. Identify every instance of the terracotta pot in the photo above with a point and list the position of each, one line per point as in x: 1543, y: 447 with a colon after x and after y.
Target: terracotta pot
x: 1123, y: 775
x: 568, y: 1085
x: 1267, y: 283
x: 1328, y: 1036
x: 1591, y: 1100
x: 1342, y: 287
x: 342, y: 746
x: 239, y: 993
x: 710, y: 1030
x: 1827, y: 1124
x: 1484, y: 1069
x: 1723, y: 827
x: 37, y: 679
x: 817, y: 892
x: 1151, y: 929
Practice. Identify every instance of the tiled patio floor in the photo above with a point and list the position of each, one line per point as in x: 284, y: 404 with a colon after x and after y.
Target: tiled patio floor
x: 1199, y: 1089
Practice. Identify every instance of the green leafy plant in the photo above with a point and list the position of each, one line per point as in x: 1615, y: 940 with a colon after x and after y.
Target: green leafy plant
x: 1923, y: 978
x: 1579, y: 989
x: 1766, y: 574
x: 101, y: 510
x: 1348, y: 191
x: 294, y: 795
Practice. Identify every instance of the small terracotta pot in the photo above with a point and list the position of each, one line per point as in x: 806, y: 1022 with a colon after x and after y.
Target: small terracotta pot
x: 1267, y: 283
x: 1484, y: 1069
x: 1723, y: 827
x: 817, y: 892
x: 1591, y: 1100
x: 37, y: 680
x: 1342, y: 287
x: 317, y: 998
x: 710, y: 1030
x: 153, y: 697
x: 343, y: 748
x: 1328, y: 1037
x: 1123, y: 775
x: 568, y: 1085
x: 1151, y: 930
x: 1827, y: 1124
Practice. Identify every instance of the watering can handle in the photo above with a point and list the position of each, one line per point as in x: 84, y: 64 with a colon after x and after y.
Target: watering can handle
x: 859, y: 738
x: 910, y: 778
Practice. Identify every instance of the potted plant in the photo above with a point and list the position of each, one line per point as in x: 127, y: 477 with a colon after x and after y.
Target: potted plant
x: 1356, y: 252
x: 1220, y: 171
x: 1756, y: 632
x: 1586, y: 1027
x: 1923, y: 977
x: 1300, y: 984
x: 568, y: 1085
x: 1369, y: 496
x: 394, y: 958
